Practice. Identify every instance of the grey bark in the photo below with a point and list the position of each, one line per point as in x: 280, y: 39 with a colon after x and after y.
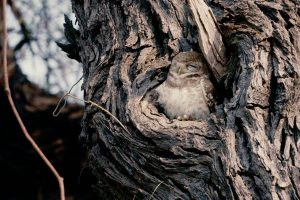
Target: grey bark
x: 247, y: 149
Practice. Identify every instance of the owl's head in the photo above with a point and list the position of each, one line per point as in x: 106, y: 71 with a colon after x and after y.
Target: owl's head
x: 188, y: 64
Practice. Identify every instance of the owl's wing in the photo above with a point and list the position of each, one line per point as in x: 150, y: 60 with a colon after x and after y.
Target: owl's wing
x: 209, y: 92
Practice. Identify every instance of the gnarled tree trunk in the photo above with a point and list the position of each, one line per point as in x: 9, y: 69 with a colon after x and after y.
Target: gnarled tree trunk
x: 249, y: 146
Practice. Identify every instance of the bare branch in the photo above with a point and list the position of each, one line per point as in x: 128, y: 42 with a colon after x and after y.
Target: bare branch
x: 11, y: 102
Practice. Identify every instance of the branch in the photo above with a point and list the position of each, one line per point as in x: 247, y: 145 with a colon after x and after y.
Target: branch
x: 24, y: 28
x: 11, y: 102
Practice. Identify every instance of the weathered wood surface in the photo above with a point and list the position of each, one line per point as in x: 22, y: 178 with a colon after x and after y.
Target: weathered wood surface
x: 247, y: 149
x: 209, y: 37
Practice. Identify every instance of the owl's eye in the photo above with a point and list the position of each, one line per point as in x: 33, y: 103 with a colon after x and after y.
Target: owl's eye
x: 192, y: 67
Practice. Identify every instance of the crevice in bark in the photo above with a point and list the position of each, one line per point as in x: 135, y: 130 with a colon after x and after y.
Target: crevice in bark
x: 269, y: 11
x: 242, y: 144
x: 283, y: 145
x: 253, y: 105
x: 286, y: 18
x: 161, y: 38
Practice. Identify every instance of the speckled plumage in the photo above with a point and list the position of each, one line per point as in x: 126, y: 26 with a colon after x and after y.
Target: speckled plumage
x: 187, y: 93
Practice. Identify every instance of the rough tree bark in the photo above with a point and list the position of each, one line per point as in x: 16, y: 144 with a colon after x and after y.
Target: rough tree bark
x: 247, y: 149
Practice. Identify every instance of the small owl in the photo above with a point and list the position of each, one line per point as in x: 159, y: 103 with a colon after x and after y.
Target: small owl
x: 187, y: 93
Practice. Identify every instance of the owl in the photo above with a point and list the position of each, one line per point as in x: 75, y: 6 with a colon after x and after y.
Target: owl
x: 187, y: 93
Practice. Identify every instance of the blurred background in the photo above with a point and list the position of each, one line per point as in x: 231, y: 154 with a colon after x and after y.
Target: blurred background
x: 34, y: 26
x: 39, y: 73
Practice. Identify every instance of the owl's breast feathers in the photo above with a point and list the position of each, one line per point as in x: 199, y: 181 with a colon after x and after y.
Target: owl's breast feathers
x: 179, y: 98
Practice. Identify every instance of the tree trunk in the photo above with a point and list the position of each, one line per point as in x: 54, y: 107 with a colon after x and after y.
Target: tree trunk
x: 249, y: 146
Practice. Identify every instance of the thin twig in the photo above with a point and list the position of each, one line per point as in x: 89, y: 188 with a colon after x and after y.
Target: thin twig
x: 12, y: 104
x: 63, y: 101
x: 102, y: 109
x: 155, y: 190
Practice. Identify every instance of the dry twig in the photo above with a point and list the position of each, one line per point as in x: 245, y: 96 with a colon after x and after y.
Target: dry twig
x: 13, y: 107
